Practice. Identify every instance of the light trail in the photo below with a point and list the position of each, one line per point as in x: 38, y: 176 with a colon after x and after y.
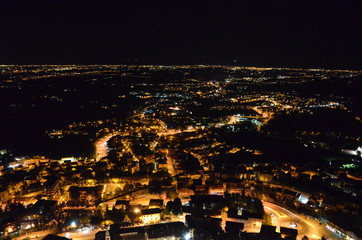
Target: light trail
x: 311, y: 228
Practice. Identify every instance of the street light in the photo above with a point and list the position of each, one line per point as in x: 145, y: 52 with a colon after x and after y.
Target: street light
x: 73, y: 224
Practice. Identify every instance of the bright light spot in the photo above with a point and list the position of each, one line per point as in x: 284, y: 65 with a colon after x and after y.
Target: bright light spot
x: 137, y: 210
x: 303, y: 199
x: 73, y: 224
x: 293, y: 225
x: 29, y: 226
x: 315, y: 236
x: 187, y: 236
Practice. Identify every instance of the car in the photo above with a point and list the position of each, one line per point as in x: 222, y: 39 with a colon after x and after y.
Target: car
x: 293, y: 225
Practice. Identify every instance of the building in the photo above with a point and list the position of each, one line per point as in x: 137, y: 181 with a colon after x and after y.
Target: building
x: 84, y: 194
x: 251, y: 222
x: 207, y: 202
x: 233, y: 229
x: 288, y: 233
x: 156, y: 203
x: 168, y: 231
x: 67, y: 160
x: 164, y: 231
x: 51, y: 188
x: 269, y: 232
x: 265, y: 177
x: 216, y: 190
x: 203, y: 226
x: 122, y: 204
x: 185, y: 193
x: 151, y: 215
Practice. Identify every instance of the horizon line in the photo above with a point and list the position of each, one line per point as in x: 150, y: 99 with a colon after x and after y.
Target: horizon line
x: 191, y: 65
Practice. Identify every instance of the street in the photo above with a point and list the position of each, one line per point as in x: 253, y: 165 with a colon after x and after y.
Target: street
x: 309, y: 227
x: 86, y: 235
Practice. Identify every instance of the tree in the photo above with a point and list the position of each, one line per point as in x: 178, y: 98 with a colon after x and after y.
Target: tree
x: 16, y: 210
x: 85, y: 219
x: 155, y: 186
x: 95, y: 220
x: 169, y: 207
x: 117, y: 216
x: 174, y: 207
x: 177, y: 206
x: 96, y: 217
x: 128, y: 187
x: 171, y: 193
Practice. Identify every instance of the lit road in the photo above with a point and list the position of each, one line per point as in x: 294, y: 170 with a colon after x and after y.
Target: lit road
x: 311, y: 228
x: 35, y: 235
x: 75, y: 235
x: 102, y: 147
x: 87, y: 235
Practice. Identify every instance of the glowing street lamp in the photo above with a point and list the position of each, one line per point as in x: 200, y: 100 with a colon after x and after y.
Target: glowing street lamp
x: 73, y: 224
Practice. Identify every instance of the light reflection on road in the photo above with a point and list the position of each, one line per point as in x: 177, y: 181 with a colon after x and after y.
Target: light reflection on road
x: 311, y: 228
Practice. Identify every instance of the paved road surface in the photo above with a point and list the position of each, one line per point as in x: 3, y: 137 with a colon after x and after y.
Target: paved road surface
x: 312, y: 228
x: 89, y: 235
x: 35, y: 235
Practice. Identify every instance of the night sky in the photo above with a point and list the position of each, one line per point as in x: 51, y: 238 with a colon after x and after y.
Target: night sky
x: 276, y: 33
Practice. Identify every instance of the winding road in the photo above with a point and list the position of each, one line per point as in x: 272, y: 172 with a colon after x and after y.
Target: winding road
x: 309, y: 227
x: 101, y: 147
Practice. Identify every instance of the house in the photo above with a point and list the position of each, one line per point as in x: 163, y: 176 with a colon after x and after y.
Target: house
x: 151, y: 215
x: 30, y: 179
x: 269, y: 232
x: 207, y: 204
x: 265, y: 177
x: 129, y: 233
x: 185, y: 193
x: 118, y: 233
x: 288, y: 233
x: 156, y: 203
x: 168, y: 231
x: 84, y: 194
x: 234, y: 189
x: 162, y: 231
x: 251, y: 222
x: 44, y: 206
x: 203, y: 225
x: 122, y: 204
x: 233, y: 229
x: 216, y: 190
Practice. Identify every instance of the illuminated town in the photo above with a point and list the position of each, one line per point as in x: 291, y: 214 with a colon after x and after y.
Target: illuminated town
x: 111, y: 152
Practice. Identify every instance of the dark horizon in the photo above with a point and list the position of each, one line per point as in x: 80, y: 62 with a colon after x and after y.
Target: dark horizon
x: 322, y: 34
x: 138, y: 63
